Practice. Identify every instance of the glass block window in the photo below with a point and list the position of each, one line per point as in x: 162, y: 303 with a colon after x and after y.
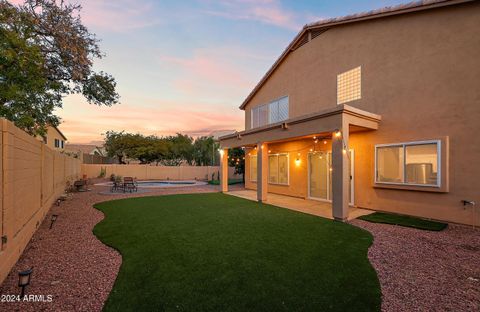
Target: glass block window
x: 349, y: 86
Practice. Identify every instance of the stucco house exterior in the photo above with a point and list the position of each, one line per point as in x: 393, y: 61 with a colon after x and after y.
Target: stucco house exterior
x: 54, y: 138
x: 378, y: 110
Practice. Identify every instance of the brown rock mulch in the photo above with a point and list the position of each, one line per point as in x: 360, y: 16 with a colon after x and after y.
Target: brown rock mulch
x: 424, y: 270
x: 418, y: 270
x: 68, y: 261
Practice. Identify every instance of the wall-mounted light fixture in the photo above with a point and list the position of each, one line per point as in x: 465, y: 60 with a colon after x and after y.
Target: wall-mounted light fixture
x: 337, y: 133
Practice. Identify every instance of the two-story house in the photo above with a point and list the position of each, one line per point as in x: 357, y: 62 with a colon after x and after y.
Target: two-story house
x: 378, y: 110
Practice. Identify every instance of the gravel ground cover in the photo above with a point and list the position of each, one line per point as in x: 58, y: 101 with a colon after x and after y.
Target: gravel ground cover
x: 424, y: 270
x: 69, y: 262
x: 418, y: 270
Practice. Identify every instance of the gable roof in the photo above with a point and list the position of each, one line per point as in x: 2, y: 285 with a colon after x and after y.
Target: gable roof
x: 325, y: 24
x: 59, y: 132
x: 84, y: 148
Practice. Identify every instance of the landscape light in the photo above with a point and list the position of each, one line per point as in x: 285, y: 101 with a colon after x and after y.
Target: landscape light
x: 24, y: 279
x: 53, y: 219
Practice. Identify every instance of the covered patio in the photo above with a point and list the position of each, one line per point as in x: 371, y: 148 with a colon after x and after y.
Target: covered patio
x: 333, y: 124
x: 313, y: 207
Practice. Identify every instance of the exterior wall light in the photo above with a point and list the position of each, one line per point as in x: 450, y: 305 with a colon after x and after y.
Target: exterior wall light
x: 24, y: 280
x: 344, y: 151
x: 297, y: 162
x: 324, y: 141
x: 53, y: 219
x: 221, y: 152
x: 338, y: 133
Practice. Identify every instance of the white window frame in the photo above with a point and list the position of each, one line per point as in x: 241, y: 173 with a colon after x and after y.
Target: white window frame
x: 278, y: 169
x: 404, y: 145
x: 253, y: 177
x: 268, y: 106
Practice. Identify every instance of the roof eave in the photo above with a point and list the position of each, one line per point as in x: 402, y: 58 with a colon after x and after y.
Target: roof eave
x: 360, y: 18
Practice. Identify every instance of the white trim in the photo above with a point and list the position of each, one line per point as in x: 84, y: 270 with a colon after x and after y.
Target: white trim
x: 404, y: 145
x: 278, y: 169
x: 328, y: 155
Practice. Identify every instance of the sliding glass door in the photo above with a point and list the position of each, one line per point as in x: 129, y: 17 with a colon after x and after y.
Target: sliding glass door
x: 320, y: 176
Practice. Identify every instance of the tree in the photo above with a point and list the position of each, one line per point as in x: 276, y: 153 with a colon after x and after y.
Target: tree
x: 180, y: 149
x: 47, y: 53
x: 205, y: 150
x: 236, y: 158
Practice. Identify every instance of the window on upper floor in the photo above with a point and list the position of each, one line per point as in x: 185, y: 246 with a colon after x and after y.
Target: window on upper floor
x: 349, y: 86
x: 57, y: 143
x: 275, y: 111
x: 62, y: 144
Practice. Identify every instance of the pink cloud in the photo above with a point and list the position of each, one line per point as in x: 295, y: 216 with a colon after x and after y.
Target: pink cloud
x: 118, y: 15
x: 83, y: 123
x: 265, y: 11
x: 221, y: 73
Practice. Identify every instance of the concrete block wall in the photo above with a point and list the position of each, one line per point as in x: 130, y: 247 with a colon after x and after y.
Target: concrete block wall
x: 32, y: 176
x: 147, y: 172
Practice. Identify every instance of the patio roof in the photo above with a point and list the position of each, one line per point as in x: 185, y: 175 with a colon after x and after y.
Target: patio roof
x: 311, y: 124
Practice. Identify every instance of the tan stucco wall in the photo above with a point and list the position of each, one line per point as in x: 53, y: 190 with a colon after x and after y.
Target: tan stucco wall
x: 147, y: 172
x: 420, y: 72
x: 32, y: 177
x: 53, y: 134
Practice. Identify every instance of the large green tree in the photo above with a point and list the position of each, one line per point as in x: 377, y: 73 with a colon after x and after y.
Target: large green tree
x: 47, y: 53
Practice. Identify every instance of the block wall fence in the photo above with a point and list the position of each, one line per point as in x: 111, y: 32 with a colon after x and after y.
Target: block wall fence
x: 32, y: 177
x: 147, y: 172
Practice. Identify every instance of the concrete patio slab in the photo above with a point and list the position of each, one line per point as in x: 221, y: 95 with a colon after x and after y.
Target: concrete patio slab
x: 313, y: 207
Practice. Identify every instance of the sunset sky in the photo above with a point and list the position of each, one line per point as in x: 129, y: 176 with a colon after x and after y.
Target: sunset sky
x: 186, y: 66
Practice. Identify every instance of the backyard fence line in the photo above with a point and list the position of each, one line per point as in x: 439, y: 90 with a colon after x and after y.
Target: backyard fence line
x: 148, y: 172
x: 32, y: 177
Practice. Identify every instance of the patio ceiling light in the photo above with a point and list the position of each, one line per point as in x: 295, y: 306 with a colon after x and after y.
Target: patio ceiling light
x: 24, y: 279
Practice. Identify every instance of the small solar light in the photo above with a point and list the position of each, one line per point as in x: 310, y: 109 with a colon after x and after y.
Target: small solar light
x: 53, y: 219
x: 24, y: 279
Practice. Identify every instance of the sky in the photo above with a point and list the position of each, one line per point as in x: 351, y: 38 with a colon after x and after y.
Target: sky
x: 186, y: 66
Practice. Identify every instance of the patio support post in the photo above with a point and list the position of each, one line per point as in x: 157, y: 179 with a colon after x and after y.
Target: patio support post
x: 224, y: 170
x: 340, y: 173
x: 262, y: 172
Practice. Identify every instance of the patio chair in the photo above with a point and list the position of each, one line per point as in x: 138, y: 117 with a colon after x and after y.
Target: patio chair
x: 129, y: 185
x: 80, y: 185
x: 117, y: 185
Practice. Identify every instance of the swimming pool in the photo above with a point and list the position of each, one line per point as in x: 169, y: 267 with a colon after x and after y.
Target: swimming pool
x: 162, y: 183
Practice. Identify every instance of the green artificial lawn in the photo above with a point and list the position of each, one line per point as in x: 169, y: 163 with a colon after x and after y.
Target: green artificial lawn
x: 216, y: 252
x: 230, y: 182
x: 380, y: 217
